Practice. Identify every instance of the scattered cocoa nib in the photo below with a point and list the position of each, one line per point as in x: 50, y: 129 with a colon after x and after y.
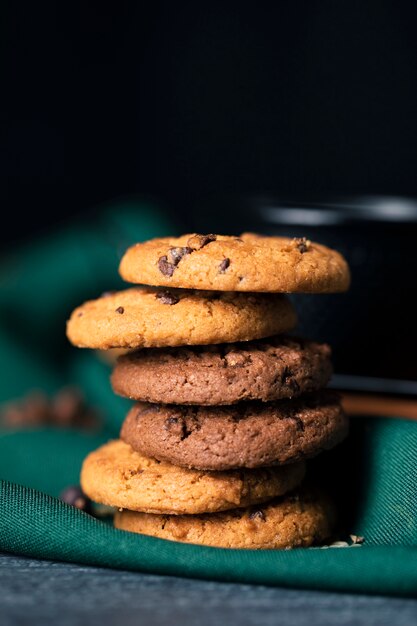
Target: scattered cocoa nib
x: 165, y: 267
x: 66, y: 409
x: 302, y: 243
x: 224, y: 265
x: 120, y: 310
x: 166, y: 297
x: 196, y: 242
x: 75, y: 497
x: 178, y: 253
x: 259, y: 514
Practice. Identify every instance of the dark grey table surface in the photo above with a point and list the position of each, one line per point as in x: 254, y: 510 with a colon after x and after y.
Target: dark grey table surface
x: 41, y: 592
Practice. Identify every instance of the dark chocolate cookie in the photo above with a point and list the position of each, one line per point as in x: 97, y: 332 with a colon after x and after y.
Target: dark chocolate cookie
x: 270, y: 369
x: 250, y: 434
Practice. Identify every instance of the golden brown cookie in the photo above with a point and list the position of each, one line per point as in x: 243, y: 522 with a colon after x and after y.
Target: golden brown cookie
x: 246, y: 263
x: 296, y: 520
x: 267, y: 369
x: 117, y: 476
x: 248, y: 434
x: 144, y: 317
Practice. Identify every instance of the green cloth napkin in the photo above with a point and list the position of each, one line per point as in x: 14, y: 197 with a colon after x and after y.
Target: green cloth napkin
x: 372, y: 476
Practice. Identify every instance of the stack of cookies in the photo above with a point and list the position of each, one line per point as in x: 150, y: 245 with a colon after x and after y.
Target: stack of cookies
x: 228, y: 407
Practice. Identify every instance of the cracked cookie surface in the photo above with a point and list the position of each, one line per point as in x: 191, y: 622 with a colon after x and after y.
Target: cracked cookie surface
x: 296, y: 520
x: 269, y: 369
x: 250, y: 434
x: 147, y: 317
x: 118, y: 476
x: 249, y: 262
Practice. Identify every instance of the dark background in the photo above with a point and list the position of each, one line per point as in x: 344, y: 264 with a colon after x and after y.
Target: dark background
x: 200, y: 107
x: 187, y: 101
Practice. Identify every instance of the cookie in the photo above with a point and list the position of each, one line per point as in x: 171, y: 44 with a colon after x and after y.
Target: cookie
x: 250, y: 434
x: 118, y: 476
x: 296, y: 520
x: 146, y: 317
x: 246, y: 263
x: 269, y: 369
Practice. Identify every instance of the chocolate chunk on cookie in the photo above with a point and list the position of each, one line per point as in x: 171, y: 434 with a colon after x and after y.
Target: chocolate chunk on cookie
x: 148, y: 317
x: 246, y: 263
x: 268, y: 369
x: 297, y: 520
x: 250, y: 434
x: 118, y: 476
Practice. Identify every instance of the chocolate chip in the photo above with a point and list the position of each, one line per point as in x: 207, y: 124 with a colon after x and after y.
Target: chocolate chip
x: 178, y: 253
x: 196, y: 242
x: 286, y: 374
x: 80, y: 314
x: 165, y: 267
x: 259, y: 514
x: 176, y: 426
x: 75, y: 497
x: 302, y: 243
x: 298, y: 423
x: 166, y: 297
x: 224, y: 265
x: 120, y: 310
x: 295, y: 387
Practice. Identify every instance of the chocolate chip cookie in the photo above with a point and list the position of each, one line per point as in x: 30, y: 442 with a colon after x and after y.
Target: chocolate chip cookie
x: 296, y: 520
x: 269, y: 369
x: 118, y: 476
x: 147, y: 317
x: 246, y: 263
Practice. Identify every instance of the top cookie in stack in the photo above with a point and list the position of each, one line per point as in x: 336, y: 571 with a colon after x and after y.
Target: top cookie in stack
x: 246, y: 263
x: 226, y: 402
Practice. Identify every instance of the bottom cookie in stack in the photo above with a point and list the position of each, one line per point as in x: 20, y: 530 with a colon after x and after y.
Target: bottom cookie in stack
x: 299, y: 519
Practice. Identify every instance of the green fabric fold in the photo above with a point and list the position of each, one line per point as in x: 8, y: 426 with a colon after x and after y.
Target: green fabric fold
x: 37, y: 525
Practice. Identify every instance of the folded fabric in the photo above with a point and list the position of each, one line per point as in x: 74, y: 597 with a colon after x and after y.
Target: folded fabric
x: 374, y: 477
